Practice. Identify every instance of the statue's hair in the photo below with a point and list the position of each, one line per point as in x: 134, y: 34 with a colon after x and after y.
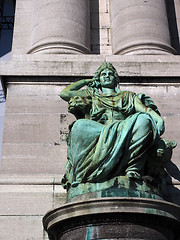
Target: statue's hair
x: 102, y: 68
x: 96, y: 83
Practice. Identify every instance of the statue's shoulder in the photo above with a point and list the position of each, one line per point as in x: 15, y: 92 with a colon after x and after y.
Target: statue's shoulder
x: 126, y: 94
x: 148, y: 102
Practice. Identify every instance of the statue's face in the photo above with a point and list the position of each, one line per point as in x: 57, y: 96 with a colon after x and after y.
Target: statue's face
x: 107, y: 79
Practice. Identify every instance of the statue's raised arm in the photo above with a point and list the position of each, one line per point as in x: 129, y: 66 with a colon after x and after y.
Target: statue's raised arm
x: 73, y: 90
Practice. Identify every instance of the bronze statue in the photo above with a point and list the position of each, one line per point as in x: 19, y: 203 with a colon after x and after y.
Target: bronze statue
x: 117, y: 133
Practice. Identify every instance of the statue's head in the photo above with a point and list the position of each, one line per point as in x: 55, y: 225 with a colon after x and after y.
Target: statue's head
x: 101, y: 70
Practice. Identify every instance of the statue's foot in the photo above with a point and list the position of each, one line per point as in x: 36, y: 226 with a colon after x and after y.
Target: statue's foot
x: 75, y: 184
x: 133, y: 174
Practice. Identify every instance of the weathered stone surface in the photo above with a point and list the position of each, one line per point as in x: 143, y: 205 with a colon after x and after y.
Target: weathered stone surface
x: 34, y: 99
x: 177, y: 15
x: 25, y: 200
x: 98, y: 8
x: 23, y: 204
x: 22, y: 228
x: 23, y: 11
x: 59, y: 194
x: 33, y: 158
x: 86, y: 66
x: 66, y: 29
x: 27, y: 179
x: 140, y: 28
x: 29, y: 128
x: 35, y: 130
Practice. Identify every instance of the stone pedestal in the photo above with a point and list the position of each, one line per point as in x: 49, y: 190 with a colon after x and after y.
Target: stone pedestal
x: 114, y: 218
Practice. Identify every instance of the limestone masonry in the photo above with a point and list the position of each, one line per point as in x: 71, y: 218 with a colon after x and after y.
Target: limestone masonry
x: 54, y: 44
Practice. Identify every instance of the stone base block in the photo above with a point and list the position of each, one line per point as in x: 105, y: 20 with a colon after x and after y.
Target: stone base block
x: 114, y: 219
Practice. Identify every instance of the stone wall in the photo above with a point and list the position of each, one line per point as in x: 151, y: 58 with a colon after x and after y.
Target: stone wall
x: 36, y: 119
x: 36, y: 122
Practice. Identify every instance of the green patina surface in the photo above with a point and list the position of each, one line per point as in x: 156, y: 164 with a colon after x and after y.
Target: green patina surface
x: 117, y: 133
x: 157, y: 212
x: 90, y: 232
x: 116, y: 187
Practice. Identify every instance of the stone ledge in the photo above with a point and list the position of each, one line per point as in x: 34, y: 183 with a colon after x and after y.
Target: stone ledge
x: 86, y: 65
x: 31, y: 180
x: 143, y: 218
x: 107, y: 205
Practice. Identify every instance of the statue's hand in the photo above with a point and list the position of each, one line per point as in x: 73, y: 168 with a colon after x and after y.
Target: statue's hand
x: 90, y: 82
x: 161, y: 127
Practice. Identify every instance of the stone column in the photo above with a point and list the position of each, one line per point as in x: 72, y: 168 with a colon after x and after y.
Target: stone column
x: 140, y: 27
x: 60, y: 27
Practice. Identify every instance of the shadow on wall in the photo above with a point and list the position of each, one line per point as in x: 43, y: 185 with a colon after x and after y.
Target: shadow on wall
x: 173, y: 25
x: 173, y: 193
x: 95, y: 33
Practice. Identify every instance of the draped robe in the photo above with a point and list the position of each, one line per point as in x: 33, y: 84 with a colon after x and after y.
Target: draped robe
x: 112, y: 142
